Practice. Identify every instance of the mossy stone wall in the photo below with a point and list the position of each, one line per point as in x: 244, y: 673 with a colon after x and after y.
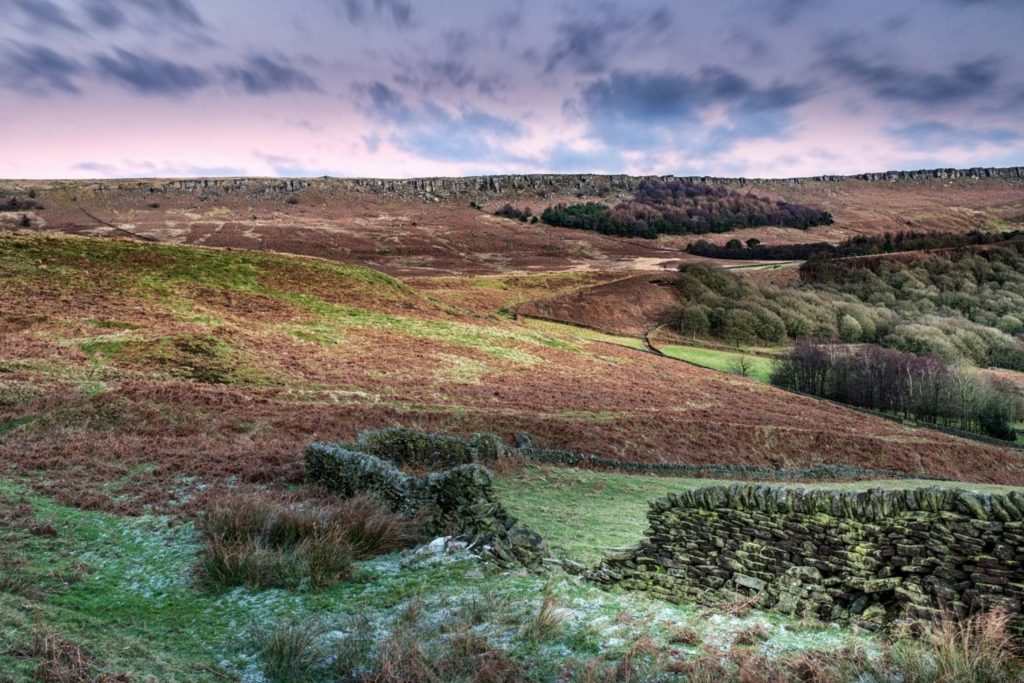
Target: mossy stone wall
x: 869, y: 557
x: 458, y: 501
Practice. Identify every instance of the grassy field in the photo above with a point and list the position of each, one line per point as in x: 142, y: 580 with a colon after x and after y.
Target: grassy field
x: 584, y: 513
x: 583, y: 333
x: 122, y: 590
x: 760, y: 368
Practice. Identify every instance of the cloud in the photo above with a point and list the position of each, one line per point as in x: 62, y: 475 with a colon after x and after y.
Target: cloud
x: 39, y: 70
x: 148, y: 169
x: 398, y: 11
x: 431, y: 75
x: 148, y: 75
x: 180, y: 11
x: 434, y: 132
x: 384, y: 102
x: 565, y: 159
x: 964, y: 81
x: 785, y: 12
x: 263, y: 75
x: 104, y: 14
x: 289, y: 167
x: 640, y: 110
x: 46, y: 14
x: 667, y: 96
x: 933, y: 134
x: 588, y: 44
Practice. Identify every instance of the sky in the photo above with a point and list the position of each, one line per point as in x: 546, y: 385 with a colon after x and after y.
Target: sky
x: 404, y: 88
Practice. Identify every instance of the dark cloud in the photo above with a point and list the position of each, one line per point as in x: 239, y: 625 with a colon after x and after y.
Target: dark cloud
x: 384, y: 102
x: 46, y: 14
x: 104, y: 13
x: 149, y: 75
x: 623, y: 108
x: 785, y: 12
x: 433, y: 132
x: 179, y: 11
x: 263, y: 75
x: 932, y: 134
x: 588, y: 44
x: 398, y: 11
x: 430, y: 76
x: 963, y: 81
x: 39, y: 70
x: 665, y: 97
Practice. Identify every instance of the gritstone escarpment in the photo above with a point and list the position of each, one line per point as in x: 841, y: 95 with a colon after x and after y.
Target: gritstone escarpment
x: 481, y: 187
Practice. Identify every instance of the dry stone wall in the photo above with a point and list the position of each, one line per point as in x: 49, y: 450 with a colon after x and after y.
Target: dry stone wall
x: 458, y: 501
x: 869, y: 557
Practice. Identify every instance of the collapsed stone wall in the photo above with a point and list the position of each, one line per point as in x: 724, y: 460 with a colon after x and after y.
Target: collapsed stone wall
x: 417, y: 449
x: 459, y: 501
x: 869, y: 557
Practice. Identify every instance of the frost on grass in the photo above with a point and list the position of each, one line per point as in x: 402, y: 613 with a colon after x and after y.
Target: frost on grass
x: 142, y: 568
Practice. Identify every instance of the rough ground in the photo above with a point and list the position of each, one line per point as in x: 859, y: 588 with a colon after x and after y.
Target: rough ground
x: 133, y: 374
x: 425, y: 234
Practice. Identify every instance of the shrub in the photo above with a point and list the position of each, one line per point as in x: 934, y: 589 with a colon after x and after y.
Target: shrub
x: 694, y: 321
x: 509, y: 211
x: 260, y: 543
x: 850, y: 330
x: 408, y: 447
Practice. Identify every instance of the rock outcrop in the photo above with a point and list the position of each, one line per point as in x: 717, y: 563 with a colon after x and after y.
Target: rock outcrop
x: 869, y: 557
x: 528, y: 185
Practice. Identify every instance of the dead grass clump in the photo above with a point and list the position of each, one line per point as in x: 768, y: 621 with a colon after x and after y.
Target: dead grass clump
x: 545, y: 623
x: 290, y: 652
x: 684, y: 635
x: 261, y: 543
x: 979, y: 649
x: 751, y: 635
x: 59, y: 660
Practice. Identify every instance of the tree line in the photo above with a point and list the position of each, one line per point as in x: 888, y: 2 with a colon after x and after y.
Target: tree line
x: 680, y: 207
x: 922, y: 387
x: 861, y: 245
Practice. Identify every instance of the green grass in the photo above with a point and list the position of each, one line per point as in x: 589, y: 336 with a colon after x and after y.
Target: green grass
x: 725, y: 361
x: 583, y: 333
x: 582, y: 513
x: 1020, y: 432
x: 502, y: 342
x: 162, y: 268
x: 122, y: 588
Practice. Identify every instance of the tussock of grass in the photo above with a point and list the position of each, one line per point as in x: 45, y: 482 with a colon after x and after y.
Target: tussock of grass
x: 979, y: 649
x: 259, y: 543
x: 546, y: 623
x: 58, y: 660
x: 290, y: 651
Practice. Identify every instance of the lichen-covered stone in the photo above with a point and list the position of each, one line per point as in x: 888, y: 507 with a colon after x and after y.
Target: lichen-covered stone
x: 870, y: 557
